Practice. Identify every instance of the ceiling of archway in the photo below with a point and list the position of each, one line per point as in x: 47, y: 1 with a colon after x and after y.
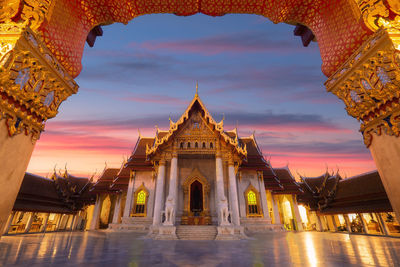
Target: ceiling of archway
x: 335, y: 24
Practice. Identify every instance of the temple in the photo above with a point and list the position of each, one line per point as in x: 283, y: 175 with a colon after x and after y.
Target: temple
x: 196, y: 173
x: 199, y: 181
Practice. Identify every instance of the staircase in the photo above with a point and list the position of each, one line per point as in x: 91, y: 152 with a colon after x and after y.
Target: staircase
x: 196, y: 232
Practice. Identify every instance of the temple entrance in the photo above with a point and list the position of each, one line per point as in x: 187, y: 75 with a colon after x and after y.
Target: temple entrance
x: 196, y: 191
x: 196, y: 198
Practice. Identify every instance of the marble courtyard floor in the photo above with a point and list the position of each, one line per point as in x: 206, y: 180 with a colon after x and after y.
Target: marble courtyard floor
x: 103, y: 248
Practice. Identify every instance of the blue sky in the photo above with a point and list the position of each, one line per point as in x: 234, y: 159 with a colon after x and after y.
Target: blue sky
x: 255, y: 72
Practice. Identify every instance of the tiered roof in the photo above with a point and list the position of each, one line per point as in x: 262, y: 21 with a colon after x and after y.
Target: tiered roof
x: 287, y: 181
x: 330, y: 194
x: 105, y: 181
x: 196, y: 104
x: 60, y: 194
x: 246, y: 147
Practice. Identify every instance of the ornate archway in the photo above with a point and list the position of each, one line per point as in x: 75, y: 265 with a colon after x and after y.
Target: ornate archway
x: 42, y: 41
x: 196, y: 213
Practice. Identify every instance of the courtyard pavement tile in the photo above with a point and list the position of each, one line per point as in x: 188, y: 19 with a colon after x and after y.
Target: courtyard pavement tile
x: 102, y: 248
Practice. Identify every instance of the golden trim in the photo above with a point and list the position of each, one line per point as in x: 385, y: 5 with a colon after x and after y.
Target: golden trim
x: 196, y: 176
x: 140, y: 188
x: 33, y: 83
x: 368, y: 84
x: 217, y: 127
x: 259, y: 208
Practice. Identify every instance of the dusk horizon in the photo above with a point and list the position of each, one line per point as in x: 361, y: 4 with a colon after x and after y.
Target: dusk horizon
x: 254, y: 73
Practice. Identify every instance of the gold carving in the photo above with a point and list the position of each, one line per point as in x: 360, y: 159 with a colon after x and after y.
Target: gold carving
x: 368, y: 83
x: 380, y: 13
x: 32, y: 82
x: 29, y: 12
x: 196, y: 176
x: 198, y: 127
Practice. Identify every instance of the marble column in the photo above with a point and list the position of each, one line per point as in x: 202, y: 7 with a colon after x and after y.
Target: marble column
x: 275, y: 209
x: 385, y: 150
x: 44, y: 225
x: 220, y: 198
x: 159, y: 193
x: 348, y: 224
x: 117, y: 209
x: 72, y: 224
x: 9, y: 222
x: 364, y: 223
x: 77, y: 219
x: 29, y: 222
x: 263, y: 195
x: 129, y: 196
x: 172, y: 199
x: 233, y: 194
x: 15, y: 153
x: 334, y: 223
x: 297, y: 213
x: 319, y: 226
x: 382, y: 224
x: 60, y: 217
x: 96, y: 213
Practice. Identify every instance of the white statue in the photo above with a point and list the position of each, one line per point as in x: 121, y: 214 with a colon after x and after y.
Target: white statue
x: 169, y: 211
x: 223, y: 211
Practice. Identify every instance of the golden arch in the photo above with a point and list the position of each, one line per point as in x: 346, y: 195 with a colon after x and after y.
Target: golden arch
x: 141, y: 198
x: 253, y: 201
x: 195, y: 176
x: 54, y: 22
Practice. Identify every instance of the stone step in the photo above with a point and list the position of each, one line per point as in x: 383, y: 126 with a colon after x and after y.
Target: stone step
x: 196, y: 232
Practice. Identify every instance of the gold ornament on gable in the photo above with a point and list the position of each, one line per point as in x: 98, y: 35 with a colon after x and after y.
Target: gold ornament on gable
x: 32, y: 82
x: 380, y: 13
x: 368, y: 84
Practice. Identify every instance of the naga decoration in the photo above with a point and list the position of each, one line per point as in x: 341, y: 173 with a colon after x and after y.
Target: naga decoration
x: 33, y: 83
x: 368, y: 82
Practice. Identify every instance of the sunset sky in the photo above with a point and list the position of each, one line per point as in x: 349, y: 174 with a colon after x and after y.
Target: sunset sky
x: 256, y: 73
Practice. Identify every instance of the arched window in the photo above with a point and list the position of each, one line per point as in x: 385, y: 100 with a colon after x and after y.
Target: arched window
x: 196, y: 145
x: 204, y: 144
x: 252, y: 202
x: 211, y: 145
x: 188, y: 146
x: 181, y: 144
x: 140, y: 202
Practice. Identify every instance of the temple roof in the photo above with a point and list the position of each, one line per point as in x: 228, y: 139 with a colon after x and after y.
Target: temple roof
x: 329, y: 194
x: 105, y: 181
x: 163, y: 137
x: 61, y: 194
x: 286, y: 179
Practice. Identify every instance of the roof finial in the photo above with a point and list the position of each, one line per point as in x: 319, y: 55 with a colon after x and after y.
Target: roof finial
x: 140, y: 135
x: 197, y: 88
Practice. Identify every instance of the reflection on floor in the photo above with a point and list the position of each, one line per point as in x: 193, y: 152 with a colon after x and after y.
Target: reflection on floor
x: 103, y: 248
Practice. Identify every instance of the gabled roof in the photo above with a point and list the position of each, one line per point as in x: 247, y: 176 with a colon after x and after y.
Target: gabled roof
x: 330, y: 194
x: 62, y: 194
x: 164, y: 137
x: 105, y: 181
x: 288, y: 182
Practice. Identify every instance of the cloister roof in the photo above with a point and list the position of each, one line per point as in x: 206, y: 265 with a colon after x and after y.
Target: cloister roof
x: 61, y: 194
x: 330, y: 194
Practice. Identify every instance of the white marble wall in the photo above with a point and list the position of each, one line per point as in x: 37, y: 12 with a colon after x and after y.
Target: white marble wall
x: 145, y: 177
x: 248, y: 177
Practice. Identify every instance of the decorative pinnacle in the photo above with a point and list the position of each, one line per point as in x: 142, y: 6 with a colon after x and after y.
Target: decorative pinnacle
x: 197, y: 88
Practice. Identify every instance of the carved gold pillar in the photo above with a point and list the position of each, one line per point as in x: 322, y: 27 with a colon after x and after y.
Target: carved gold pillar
x: 32, y: 86
x: 369, y: 85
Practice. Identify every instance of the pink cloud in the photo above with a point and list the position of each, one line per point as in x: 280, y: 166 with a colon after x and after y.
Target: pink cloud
x: 245, y: 42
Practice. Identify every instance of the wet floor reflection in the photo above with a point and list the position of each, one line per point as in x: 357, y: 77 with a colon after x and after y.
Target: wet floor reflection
x: 130, y: 249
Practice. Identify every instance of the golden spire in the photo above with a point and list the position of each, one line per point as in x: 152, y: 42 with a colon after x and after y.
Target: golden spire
x: 197, y: 88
